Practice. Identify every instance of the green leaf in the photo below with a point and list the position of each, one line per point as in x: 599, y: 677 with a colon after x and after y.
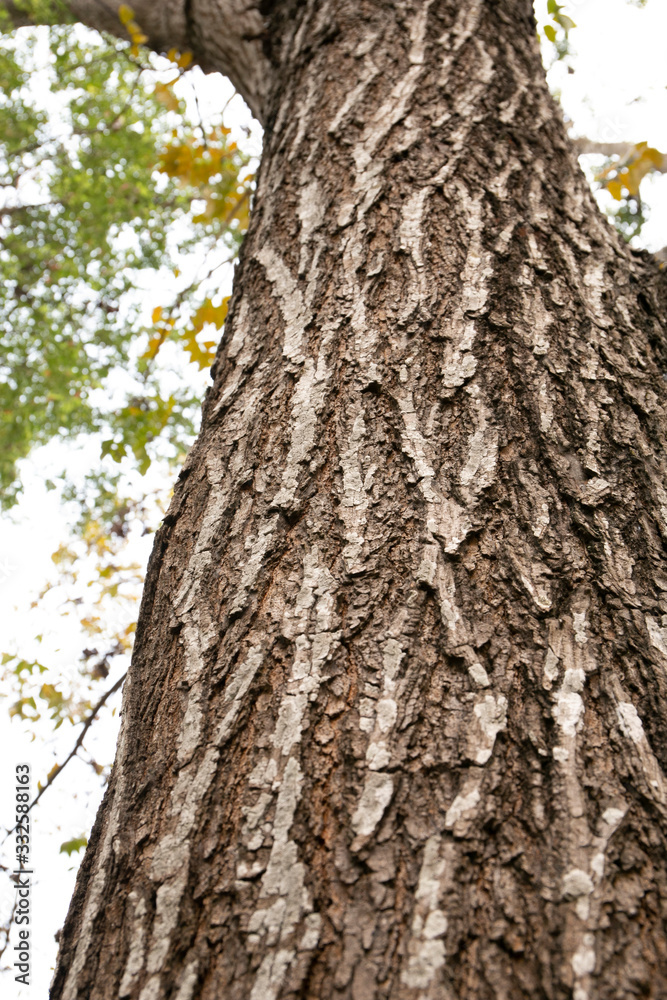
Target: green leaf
x: 566, y: 23
x: 76, y: 844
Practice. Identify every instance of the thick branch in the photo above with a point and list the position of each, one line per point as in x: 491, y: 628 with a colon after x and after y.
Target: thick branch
x: 164, y: 23
x: 224, y: 36
x: 623, y: 150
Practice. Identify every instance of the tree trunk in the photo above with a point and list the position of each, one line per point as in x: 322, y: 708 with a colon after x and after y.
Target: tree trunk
x: 396, y: 722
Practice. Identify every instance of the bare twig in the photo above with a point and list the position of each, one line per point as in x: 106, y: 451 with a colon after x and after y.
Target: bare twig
x: 86, y: 726
x: 5, y: 930
x: 90, y: 718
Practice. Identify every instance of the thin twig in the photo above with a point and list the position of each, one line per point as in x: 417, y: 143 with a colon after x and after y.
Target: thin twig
x: 86, y: 726
x: 201, y: 117
x: 229, y: 100
x: 6, y: 929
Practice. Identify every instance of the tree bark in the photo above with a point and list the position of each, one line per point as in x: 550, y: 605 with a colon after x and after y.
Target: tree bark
x: 396, y: 721
x: 222, y: 35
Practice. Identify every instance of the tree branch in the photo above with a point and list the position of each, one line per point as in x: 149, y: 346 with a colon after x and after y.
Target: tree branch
x: 164, y: 23
x: 621, y: 149
x: 82, y: 735
x: 224, y: 36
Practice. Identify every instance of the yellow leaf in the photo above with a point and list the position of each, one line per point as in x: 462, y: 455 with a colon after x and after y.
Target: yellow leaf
x: 615, y: 188
x: 637, y: 169
x: 655, y: 156
x: 156, y: 315
x: 165, y: 96
x: 200, y: 355
x: 208, y: 313
x: 157, y: 340
x: 125, y: 13
x: 632, y: 177
x: 220, y: 312
x: 184, y: 60
x: 90, y: 625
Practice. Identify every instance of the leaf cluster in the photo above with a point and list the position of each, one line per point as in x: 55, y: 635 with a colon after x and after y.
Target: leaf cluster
x: 557, y: 31
x: 102, y: 183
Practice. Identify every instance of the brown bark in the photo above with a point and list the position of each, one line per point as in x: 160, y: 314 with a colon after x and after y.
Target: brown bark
x: 396, y: 719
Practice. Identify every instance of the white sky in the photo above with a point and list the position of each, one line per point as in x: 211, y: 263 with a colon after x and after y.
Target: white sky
x: 618, y: 92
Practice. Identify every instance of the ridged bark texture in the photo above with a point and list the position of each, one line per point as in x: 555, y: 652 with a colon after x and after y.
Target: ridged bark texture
x: 396, y: 724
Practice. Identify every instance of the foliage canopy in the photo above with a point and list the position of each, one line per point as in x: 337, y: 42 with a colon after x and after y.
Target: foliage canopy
x: 107, y: 186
